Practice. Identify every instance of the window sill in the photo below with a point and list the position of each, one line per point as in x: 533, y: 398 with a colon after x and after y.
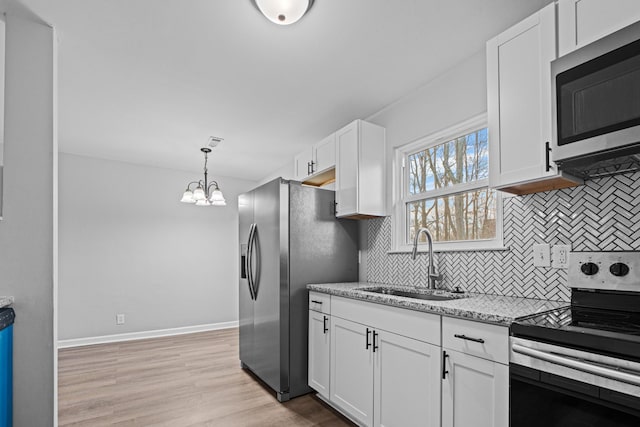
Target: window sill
x: 408, y: 250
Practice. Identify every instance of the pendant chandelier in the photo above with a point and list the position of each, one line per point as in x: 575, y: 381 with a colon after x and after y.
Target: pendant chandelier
x: 205, y: 193
x: 283, y: 12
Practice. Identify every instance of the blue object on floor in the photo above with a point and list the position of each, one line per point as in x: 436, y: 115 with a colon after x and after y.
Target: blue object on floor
x: 7, y: 316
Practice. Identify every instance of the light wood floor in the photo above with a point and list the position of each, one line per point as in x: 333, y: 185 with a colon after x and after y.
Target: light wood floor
x: 187, y: 380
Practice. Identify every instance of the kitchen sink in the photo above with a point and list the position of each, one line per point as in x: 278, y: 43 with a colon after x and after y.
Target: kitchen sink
x: 413, y: 294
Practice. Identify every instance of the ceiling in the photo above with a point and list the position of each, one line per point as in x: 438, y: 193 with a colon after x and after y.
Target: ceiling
x: 148, y: 81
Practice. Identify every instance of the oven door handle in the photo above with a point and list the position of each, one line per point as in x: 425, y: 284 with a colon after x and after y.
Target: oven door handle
x: 589, y: 368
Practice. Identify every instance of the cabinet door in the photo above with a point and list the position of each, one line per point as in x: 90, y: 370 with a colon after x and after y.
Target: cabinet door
x: 581, y: 22
x: 302, y: 165
x: 406, y: 382
x: 351, y: 386
x: 475, y: 392
x: 519, y: 99
x: 319, y: 356
x: 324, y: 154
x: 347, y: 140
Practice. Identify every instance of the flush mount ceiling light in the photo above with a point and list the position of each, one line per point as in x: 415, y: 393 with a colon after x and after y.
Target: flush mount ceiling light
x: 205, y: 193
x: 283, y: 12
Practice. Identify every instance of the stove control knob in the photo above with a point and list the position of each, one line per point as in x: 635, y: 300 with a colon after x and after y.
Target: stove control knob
x: 589, y: 268
x: 619, y: 269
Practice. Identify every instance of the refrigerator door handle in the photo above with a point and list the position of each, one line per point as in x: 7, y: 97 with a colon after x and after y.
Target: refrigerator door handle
x: 249, y: 262
x: 250, y: 252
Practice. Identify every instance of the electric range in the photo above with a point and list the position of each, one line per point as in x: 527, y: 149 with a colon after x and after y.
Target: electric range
x: 580, y: 365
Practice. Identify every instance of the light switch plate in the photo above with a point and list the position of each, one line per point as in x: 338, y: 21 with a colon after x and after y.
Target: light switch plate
x: 560, y: 256
x: 541, y: 255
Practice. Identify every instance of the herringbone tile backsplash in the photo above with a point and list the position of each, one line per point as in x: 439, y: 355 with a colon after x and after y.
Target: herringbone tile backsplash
x: 602, y: 215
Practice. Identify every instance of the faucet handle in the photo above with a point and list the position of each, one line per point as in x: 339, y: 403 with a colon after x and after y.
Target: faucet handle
x: 436, y: 277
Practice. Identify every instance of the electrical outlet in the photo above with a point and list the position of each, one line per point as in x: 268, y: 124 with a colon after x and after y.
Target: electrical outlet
x: 120, y: 319
x: 560, y: 256
x: 541, y: 255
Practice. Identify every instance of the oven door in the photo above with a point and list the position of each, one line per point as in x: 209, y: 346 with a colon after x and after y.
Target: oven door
x: 559, y: 386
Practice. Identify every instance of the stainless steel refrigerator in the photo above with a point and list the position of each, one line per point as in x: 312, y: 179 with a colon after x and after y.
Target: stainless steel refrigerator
x: 289, y: 237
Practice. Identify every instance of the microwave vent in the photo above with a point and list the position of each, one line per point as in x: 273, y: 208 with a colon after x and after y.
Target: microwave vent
x: 603, y: 164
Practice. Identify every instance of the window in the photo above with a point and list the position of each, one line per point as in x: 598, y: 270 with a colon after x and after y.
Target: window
x: 444, y: 187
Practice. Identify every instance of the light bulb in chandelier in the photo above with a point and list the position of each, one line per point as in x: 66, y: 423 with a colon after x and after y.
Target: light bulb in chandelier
x: 216, y: 196
x: 198, y: 194
x: 187, y: 197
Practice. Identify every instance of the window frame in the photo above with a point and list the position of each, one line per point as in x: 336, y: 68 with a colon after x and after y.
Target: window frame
x: 401, y: 195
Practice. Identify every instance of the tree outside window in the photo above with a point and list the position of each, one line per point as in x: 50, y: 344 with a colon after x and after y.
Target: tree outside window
x: 448, y: 192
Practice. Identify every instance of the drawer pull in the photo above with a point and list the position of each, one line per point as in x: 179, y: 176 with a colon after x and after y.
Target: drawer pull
x: 316, y: 301
x: 444, y: 365
x: 464, y: 337
x: 324, y: 324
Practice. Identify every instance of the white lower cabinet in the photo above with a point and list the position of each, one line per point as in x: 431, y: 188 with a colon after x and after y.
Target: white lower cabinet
x: 475, y: 384
x: 352, y: 370
x: 383, y: 366
x: 406, y: 382
x: 384, y: 379
x: 319, y: 355
x: 475, y: 392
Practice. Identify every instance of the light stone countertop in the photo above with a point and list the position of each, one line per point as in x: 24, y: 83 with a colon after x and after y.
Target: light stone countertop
x: 5, y: 301
x: 501, y: 310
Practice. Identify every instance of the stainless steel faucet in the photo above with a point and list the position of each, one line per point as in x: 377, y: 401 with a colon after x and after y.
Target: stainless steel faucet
x: 432, y: 277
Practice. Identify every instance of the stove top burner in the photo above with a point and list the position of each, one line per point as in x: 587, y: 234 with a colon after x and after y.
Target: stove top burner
x: 604, y: 315
x: 606, y: 320
x: 608, y: 332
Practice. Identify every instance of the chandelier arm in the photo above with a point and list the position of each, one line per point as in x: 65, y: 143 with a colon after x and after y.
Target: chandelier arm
x: 192, y: 182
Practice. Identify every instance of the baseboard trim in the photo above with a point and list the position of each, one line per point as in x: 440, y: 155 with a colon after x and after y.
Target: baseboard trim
x: 104, y: 339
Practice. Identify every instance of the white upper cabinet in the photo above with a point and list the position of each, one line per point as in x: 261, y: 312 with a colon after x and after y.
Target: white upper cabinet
x: 302, y: 165
x: 584, y: 21
x: 324, y: 154
x: 519, y: 106
x: 360, y: 170
x: 315, y: 166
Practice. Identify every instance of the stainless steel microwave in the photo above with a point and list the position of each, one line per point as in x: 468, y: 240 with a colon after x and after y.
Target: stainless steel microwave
x: 596, y: 108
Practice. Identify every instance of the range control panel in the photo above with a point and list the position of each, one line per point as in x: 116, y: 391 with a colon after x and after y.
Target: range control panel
x: 616, y: 271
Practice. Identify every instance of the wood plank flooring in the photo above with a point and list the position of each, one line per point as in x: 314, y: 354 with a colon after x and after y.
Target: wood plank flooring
x: 186, y: 380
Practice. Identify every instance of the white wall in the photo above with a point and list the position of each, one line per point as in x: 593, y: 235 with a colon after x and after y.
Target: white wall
x: 286, y: 172
x: 127, y: 245
x: 453, y: 97
x: 27, y: 230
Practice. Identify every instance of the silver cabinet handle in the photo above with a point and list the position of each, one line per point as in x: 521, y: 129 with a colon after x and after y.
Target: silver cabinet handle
x: 608, y: 372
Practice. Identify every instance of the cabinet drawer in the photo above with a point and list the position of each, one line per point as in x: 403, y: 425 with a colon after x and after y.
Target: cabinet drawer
x: 409, y: 323
x: 320, y: 302
x: 490, y: 342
